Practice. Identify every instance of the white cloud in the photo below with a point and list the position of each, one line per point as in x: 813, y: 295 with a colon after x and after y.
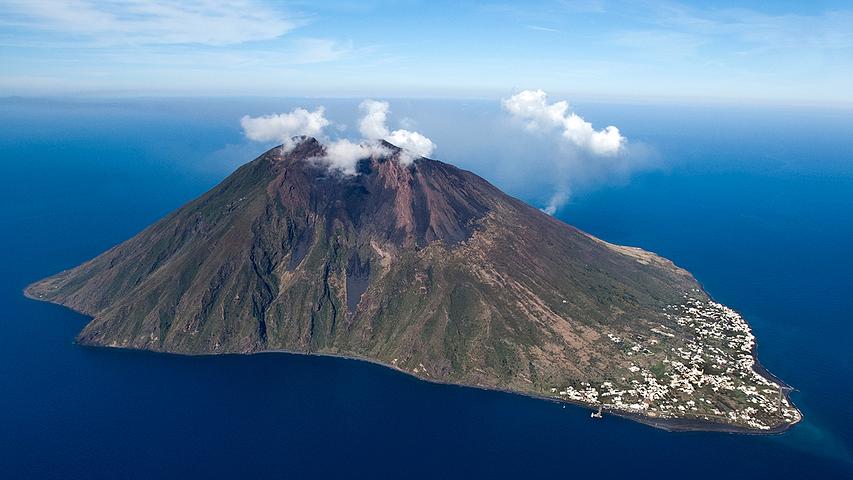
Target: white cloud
x: 532, y: 106
x: 373, y: 126
x: 585, y: 155
x: 414, y: 145
x: 283, y: 127
x: 343, y: 155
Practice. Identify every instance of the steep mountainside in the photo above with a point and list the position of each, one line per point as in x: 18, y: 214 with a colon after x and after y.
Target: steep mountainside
x: 429, y: 269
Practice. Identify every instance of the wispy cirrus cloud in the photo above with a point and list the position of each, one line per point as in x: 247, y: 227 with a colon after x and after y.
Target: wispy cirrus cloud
x: 540, y: 28
x: 675, y: 27
x: 212, y: 46
x: 788, y: 51
x: 155, y: 22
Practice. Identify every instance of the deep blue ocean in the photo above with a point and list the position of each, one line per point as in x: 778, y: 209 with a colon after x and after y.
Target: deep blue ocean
x: 756, y: 201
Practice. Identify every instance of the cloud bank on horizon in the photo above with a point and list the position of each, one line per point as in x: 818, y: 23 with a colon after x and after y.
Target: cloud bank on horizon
x: 342, y: 155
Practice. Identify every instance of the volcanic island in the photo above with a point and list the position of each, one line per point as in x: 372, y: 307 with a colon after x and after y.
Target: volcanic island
x: 429, y: 269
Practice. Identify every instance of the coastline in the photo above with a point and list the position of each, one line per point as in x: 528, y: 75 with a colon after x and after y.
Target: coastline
x: 666, y: 424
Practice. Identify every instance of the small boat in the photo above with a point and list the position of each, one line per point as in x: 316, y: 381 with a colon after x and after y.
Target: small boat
x: 596, y: 414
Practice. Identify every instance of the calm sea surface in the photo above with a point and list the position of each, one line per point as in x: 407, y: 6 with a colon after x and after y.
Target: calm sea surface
x: 757, y: 202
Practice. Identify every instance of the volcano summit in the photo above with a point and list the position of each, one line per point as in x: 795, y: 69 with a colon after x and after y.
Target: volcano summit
x: 429, y: 269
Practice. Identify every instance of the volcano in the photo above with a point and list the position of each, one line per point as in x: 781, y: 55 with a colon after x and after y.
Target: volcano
x: 429, y: 269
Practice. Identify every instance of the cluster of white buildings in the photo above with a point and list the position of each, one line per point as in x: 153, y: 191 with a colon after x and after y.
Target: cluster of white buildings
x: 704, y: 370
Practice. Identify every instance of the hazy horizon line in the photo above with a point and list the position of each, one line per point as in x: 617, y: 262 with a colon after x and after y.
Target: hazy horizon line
x: 612, y: 99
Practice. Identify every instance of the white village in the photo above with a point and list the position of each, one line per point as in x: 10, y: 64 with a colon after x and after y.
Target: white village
x: 710, y: 377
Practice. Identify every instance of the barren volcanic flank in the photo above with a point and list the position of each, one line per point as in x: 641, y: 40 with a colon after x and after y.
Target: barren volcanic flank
x: 432, y: 270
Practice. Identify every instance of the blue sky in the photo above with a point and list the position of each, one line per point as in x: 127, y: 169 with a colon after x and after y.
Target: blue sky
x: 776, y: 52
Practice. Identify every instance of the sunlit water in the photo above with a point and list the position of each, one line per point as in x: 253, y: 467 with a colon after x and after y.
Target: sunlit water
x: 756, y: 202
